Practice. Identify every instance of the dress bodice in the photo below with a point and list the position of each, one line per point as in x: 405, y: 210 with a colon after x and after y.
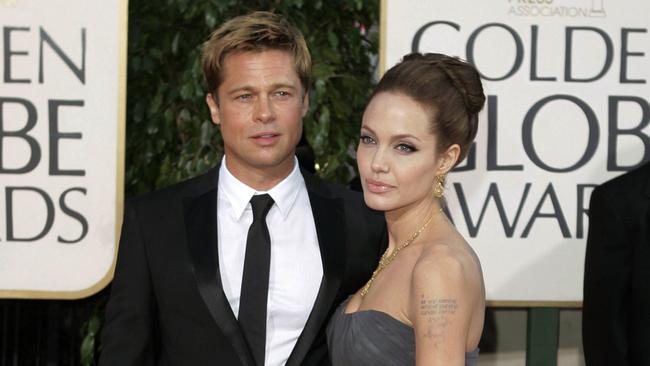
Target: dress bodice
x: 371, y: 337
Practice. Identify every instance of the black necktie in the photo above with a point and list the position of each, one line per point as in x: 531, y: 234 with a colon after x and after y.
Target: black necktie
x: 255, y: 281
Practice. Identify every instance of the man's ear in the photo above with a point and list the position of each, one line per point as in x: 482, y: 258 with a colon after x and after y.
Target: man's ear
x: 448, y: 159
x: 214, y: 108
x: 305, y: 103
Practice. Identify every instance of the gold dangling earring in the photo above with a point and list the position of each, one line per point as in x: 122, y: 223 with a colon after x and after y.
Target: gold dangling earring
x: 439, y: 186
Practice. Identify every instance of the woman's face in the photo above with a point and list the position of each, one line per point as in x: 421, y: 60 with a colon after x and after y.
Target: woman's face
x: 397, y: 153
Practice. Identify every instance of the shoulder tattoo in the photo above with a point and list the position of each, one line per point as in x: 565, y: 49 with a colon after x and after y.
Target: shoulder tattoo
x: 436, y: 313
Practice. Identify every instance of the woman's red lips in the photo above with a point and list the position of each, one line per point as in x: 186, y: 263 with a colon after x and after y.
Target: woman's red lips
x: 376, y: 186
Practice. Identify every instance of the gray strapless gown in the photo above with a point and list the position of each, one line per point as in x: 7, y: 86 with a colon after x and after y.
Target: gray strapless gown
x: 371, y: 337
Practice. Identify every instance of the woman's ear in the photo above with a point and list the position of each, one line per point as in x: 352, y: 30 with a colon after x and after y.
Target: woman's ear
x: 448, y: 159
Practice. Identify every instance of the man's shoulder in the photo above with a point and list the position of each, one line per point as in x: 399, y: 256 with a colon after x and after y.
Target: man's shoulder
x: 175, y: 193
x: 351, y: 200
x: 327, y: 189
x: 632, y: 183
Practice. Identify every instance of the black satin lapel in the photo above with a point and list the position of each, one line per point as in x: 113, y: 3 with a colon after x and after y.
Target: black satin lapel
x: 647, y: 176
x: 201, y: 224
x: 647, y: 197
x: 330, y: 228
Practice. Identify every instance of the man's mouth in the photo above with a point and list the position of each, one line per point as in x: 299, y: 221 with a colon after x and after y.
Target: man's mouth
x: 266, y: 138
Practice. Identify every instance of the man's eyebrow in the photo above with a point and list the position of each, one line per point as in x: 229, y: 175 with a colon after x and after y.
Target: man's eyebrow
x: 283, y: 86
x: 240, y: 88
x: 247, y: 87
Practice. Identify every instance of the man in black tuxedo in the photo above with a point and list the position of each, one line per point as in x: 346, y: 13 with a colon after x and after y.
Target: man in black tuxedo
x: 616, y: 308
x: 204, y: 277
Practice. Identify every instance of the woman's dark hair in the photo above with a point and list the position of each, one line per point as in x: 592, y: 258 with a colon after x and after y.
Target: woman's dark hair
x: 448, y: 88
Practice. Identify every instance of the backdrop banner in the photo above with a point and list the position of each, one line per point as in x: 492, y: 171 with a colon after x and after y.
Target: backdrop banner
x: 567, y: 108
x: 62, y: 96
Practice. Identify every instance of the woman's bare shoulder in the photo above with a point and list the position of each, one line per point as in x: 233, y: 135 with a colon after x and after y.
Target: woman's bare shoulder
x: 446, y: 296
x: 447, y: 265
x: 450, y: 252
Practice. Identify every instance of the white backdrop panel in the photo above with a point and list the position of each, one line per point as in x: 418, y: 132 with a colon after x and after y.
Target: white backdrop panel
x: 60, y: 130
x: 567, y: 86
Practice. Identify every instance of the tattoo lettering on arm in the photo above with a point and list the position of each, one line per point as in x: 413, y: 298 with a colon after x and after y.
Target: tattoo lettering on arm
x: 436, y: 314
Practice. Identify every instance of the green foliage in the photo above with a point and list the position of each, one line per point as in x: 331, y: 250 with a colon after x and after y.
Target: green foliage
x: 91, y: 329
x: 169, y: 133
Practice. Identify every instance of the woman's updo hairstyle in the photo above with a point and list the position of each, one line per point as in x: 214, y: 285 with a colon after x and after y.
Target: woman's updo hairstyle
x: 448, y: 88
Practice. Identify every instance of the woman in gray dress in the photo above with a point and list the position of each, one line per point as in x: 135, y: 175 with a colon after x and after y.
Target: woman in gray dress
x: 425, y: 302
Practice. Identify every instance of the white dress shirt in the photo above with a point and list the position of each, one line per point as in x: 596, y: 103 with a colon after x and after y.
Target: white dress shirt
x: 296, y: 268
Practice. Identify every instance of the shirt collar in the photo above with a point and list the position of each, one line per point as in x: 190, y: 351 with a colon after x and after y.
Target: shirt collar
x: 239, y: 194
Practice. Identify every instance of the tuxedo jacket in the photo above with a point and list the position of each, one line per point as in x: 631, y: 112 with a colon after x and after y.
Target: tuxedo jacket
x: 167, y: 305
x: 616, y: 308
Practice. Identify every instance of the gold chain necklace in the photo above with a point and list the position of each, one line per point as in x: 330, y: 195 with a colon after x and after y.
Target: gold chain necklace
x: 386, y: 259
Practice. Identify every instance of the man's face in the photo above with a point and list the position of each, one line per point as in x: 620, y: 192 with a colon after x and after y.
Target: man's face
x: 260, y: 110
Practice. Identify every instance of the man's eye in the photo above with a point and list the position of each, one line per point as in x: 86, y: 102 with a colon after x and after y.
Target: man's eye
x: 244, y: 96
x: 282, y: 93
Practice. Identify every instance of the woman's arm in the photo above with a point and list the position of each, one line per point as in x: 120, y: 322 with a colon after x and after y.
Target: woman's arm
x: 442, y: 302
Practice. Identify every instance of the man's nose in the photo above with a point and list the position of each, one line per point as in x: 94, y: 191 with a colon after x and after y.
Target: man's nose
x: 264, y: 111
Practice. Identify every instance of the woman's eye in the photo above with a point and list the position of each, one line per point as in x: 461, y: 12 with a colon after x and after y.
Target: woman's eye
x: 406, y: 148
x: 366, y: 139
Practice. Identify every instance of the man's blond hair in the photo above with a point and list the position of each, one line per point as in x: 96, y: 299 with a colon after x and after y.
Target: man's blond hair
x: 257, y: 31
